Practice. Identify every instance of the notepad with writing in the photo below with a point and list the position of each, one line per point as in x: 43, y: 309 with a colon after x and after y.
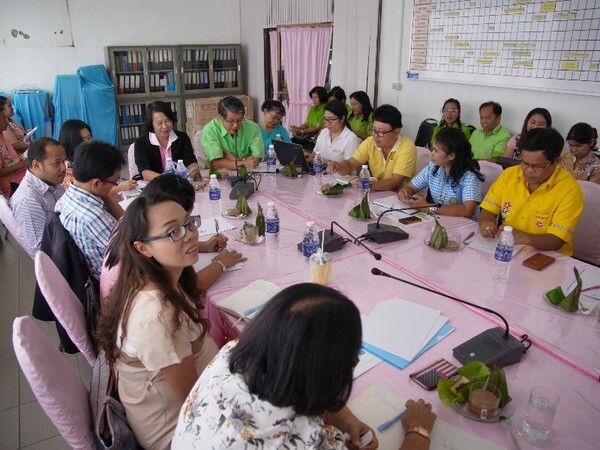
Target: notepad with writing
x: 377, y: 404
x: 248, y: 301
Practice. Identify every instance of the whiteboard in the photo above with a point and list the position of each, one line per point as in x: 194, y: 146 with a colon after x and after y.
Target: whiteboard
x: 527, y: 44
x: 35, y: 23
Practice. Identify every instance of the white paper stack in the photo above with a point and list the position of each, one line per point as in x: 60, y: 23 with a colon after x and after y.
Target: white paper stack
x: 398, y: 331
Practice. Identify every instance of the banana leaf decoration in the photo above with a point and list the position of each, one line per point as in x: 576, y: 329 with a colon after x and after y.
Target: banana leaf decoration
x: 569, y: 303
x: 362, y: 210
x: 242, y: 206
x: 289, y: 170
x: 260, y: 220
x: 212, y: 170
x: 439, y: 237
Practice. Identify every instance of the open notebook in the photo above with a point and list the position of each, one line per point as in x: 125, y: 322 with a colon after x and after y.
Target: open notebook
x: 248, y: 301
x: 378, y: 404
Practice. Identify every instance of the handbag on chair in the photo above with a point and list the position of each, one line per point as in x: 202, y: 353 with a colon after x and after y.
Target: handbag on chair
x: 110, y: 428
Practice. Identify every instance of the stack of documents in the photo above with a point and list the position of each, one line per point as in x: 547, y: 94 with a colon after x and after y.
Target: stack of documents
x: 398, y: 331
x: 485, y: 245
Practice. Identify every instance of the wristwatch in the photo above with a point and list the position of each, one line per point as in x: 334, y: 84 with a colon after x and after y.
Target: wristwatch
x: 433, y: 209
x: 419, y: 430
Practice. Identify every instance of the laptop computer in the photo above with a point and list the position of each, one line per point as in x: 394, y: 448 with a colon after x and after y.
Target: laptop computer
x: 287, y: 152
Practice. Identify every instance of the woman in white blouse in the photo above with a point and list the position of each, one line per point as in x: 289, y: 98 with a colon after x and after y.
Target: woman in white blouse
x: 336, y: 142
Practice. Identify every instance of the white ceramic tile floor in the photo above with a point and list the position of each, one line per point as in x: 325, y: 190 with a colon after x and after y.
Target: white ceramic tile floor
x: 23, y: 424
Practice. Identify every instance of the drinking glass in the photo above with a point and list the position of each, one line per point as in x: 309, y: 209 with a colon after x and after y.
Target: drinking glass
x: 484, y: 399
x: 537, y: 425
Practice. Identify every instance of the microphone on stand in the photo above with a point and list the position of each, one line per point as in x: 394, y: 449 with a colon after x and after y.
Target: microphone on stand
x: 493, y: 344
x: 382, y: 234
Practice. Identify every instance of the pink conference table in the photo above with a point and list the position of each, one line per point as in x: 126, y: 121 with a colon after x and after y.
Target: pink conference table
x: 466, y: 274
x: 578, y: 411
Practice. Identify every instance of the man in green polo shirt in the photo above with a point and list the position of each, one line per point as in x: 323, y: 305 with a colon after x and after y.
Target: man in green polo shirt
x: 230, y: 140
x: 490, y: 140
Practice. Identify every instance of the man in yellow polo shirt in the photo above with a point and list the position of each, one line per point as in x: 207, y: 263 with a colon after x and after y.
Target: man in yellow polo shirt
x: 392, y: 157
x: 538, y: 198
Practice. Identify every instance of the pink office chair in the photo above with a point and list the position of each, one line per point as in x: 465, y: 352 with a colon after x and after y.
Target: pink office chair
x: 586, y: 245
x: 423, y: 158
x: 58, y: 388
x: 10, y: 223
x: 64, y: 304
x: 491, y: 171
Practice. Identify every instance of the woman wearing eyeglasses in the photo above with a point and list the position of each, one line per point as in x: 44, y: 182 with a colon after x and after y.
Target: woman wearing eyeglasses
x: 150, y: 327
x: 336, y: 142
x: 451, y: 119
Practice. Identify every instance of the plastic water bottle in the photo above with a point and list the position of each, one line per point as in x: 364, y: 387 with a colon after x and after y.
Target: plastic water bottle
x: 503, y: 256
x: 310, y: 242
x: 182, y: 171
x: 277, y: 137
x: 364, y: 182
x: 272, y: 228
x: 169, y: 166
x: 271, y: 159
x: 214, y: 196
x: 318, y: 169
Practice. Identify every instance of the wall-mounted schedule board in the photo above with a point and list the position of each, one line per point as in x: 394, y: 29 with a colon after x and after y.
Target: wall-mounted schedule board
x: 530, y: 44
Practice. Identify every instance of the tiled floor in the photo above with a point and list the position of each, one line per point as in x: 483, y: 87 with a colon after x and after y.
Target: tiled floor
x: 23, y: 424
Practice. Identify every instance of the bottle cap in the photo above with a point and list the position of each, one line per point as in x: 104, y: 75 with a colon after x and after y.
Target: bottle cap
x: 180, y: 161
x: 365, y: 166
x: 508, y: 228
x: 310, y: 224
x: 271, y: 146
x: 213, y: 177
x: 270, y: 203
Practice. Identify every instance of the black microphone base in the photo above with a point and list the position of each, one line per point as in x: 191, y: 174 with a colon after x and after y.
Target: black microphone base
x: 491, y: 345
x: 241, y: 188
x: 385, y: 233
x: 333, y: 241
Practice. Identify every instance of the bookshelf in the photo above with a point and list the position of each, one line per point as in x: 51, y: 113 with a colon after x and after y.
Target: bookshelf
x: 144, y: 74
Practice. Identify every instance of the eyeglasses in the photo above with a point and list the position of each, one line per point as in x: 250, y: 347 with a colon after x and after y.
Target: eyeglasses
x: 449, y: 110
x: 234, y: 121
x: 114, y: 183
x: 381, y: 133
x: 177, y: 233
x: 327, y: 120
x: 534, y: 167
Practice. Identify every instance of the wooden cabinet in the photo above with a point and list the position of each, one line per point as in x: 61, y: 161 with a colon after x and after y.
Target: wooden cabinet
x: 145, y: 74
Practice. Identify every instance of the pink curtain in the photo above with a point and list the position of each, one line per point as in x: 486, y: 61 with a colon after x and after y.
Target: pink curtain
x: 305, y: 56
x: 274, y: 52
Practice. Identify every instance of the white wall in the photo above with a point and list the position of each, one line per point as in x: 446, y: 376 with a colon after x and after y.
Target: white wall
x: 97, y: 24
x: 418, y: 100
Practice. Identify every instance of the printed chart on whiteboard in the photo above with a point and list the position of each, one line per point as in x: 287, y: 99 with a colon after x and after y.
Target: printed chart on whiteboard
x: 546, y: 44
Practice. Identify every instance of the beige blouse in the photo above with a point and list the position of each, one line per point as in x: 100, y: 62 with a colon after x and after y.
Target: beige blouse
x: 586, y: 169
x: 150, y: 345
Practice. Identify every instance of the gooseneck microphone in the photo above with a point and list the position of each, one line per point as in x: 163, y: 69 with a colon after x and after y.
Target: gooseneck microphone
x: 494, y: 344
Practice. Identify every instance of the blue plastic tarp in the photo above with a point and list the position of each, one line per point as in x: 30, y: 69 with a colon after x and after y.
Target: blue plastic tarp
x: 32, y: 105
x: 99, y: 108
x: 67, y: 101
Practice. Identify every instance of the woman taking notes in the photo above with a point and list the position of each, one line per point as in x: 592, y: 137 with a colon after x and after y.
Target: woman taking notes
x: 150, y: 327
x: 285, y: 383
x: 452, y: 176
x: 336, y: 142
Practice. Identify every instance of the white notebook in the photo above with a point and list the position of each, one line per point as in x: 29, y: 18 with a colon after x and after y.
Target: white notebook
x: 248, y: 301
x: 377, y: 404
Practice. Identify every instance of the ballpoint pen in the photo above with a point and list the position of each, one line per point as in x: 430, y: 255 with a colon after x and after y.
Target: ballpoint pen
x: 217, y: 226
x: 385, y: 425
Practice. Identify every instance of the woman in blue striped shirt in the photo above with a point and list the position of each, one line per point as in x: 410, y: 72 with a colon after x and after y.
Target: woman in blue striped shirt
x: 456, y: 187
